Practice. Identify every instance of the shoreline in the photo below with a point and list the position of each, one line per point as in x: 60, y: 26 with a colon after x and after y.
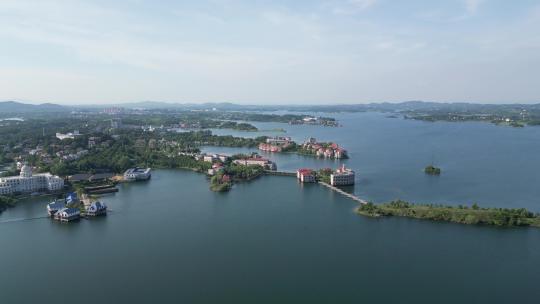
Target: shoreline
x: 499, y: 217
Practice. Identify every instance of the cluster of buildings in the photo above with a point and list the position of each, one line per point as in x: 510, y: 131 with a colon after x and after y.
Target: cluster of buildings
x: 326, y: 150
x: 340, y: 177
x: 67, y: 210
x: 137, y: 174
x: 71, y: 156
x: 275, y: 144
x: 257, y: 161
x: 27, y: 182
x: 212, y: 157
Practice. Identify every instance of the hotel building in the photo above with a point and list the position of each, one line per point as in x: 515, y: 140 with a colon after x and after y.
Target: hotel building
x: 27, y: 182
x: 342, y: 177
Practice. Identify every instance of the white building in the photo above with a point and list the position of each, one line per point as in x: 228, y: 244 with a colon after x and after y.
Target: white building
x: 27, y: 182
x: 134, y: 174
x: 278, y: 140
x: 256, y: 161
x: 68, y: 135
x: 342, y: 177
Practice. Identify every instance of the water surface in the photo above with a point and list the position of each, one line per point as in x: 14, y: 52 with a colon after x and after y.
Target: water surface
x: 269, y: 241
x: 483, y: 163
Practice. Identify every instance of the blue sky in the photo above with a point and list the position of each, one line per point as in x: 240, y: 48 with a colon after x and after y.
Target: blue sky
x: 270, y: 52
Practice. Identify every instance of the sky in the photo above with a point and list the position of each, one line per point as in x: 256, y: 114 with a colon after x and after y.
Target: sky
x: 270, y: 52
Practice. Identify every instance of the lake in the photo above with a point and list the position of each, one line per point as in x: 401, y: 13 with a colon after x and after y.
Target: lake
x: 483, y: 163
x: 273, y: 240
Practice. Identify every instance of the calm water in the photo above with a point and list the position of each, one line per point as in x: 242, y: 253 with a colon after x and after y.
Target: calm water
x: 171, y: 240
x: 483, y: 163
x: 271, y: 241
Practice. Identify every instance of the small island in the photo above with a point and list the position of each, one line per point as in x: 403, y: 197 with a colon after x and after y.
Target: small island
x: 432, y: 170
x: 461, y: 214
x: 309, y: 148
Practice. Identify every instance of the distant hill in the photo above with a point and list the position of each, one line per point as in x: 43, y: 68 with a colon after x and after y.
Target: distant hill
x: 224, y: 106
x: 378, y: 106
x: 19, y: 107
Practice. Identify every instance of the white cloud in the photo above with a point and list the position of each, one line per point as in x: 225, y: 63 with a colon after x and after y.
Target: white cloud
x: 350, y: 7
x: 471, y: 6
x: 363, y: 4
x: 77, y: 50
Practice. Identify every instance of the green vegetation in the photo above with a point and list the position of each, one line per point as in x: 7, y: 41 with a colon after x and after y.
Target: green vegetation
x: 5, y: 202
x: 323, y: 175
x: 460, y: 214
x: 220, y: 183
x: 432, y: 170
x: 513, y: 115
x: 241, y: 173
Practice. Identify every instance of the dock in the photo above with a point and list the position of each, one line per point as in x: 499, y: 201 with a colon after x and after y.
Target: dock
x: 349, y: 195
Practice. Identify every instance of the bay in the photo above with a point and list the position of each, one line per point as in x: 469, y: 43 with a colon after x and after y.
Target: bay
x: 171, y: 240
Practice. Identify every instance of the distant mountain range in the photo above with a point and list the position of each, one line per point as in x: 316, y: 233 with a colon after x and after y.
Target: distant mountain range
x: 18, y: 107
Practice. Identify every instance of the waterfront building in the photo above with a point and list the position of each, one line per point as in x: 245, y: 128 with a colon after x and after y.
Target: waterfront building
x: 67, y: 214
x: 269, y: 147
x: 306, y: 175
x: 134, y: 174
x: 258, y: 161
x: 96, y: 208
x: 55, y: 206
x: 326, y: 150
x: 279, y: 140
x: 275, y: 144
x: 27, y: 182
x: 342, y: 177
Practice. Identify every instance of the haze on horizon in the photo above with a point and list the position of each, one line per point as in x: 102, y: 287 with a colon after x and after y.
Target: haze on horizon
x: 270, y: 52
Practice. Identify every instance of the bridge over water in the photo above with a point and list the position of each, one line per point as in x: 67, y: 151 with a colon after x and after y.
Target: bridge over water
x: 336, y: 189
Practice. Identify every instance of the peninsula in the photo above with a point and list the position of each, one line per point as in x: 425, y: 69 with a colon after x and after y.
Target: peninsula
x: 459, y: 214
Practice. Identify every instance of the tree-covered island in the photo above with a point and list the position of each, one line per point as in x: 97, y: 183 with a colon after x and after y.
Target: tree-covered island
x: 460, y: 214
x: 432, y: 170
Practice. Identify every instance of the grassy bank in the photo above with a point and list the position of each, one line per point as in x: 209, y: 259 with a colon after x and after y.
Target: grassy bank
x: 6, y: 202
x: 462, y: 214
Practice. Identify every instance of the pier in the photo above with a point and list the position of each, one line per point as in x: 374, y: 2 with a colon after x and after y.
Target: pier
x: 336, y: 189
x: 280, y: 173
x: 349, y: 195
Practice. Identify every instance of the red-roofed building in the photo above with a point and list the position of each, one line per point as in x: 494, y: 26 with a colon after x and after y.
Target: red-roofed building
x: 305, y: 175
